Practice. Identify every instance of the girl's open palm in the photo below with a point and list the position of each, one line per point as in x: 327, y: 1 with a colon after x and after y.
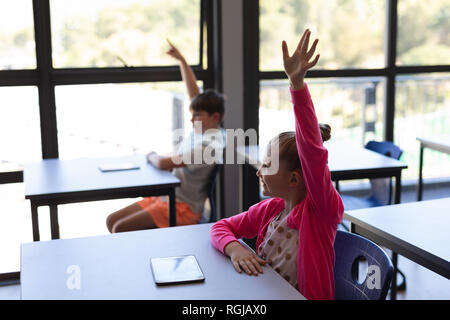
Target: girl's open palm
x: 300, y: 62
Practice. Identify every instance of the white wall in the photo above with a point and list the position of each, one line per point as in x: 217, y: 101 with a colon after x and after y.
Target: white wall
x: 233, y: 88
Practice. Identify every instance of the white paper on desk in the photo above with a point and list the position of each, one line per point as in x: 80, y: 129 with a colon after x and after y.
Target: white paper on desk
x: 107, y: 167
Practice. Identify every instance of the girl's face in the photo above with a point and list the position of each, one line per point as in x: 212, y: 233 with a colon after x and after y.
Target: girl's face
x: 282, y: 182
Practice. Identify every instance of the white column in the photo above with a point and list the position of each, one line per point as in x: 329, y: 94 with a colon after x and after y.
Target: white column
x: 233, y: 88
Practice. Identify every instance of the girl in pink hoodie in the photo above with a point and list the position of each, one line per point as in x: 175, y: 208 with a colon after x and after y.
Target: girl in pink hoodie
x: 295, y: 228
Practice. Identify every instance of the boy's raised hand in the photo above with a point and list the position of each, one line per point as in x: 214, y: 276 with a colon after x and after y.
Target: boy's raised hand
x: 173, y: 52
x: 299, y: 63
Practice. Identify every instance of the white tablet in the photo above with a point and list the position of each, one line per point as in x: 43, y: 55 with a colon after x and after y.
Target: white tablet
x: 179, y: 269
x: 107, y: 167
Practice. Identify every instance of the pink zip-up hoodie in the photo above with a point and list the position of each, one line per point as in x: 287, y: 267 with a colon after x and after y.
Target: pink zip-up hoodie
x: 316, y: 217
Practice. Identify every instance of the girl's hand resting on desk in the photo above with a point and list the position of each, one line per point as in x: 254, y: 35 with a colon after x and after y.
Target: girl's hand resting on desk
x: 244, y: 258
x: 299, y: 63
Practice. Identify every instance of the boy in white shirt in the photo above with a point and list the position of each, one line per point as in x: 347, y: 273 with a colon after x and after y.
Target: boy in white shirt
x: 194, y: 172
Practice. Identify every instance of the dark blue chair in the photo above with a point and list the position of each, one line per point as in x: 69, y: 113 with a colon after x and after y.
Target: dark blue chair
x: 211, y: 198
x: 349, y: 248
x: 381, y: 189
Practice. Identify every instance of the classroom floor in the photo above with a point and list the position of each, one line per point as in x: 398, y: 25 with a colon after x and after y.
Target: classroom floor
x: 421, y: 283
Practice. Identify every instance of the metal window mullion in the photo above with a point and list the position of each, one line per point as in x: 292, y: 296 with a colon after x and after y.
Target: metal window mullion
x: 202, y: 21
x: 213, y: 39
x: 251, y: 92
x: 391, y: 55
x: 421, y: 69
x: 342, y: 73
x: 216, y: 43
x: 350, y: 73
x: 18, y: 78
x: 11, y: 177
x: 120, y: 75
x: 47, y: 108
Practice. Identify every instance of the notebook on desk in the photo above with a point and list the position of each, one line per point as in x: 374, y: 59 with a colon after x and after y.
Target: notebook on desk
x: 177, y: 269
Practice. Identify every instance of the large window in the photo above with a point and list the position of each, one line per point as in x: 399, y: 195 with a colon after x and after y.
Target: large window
x: 17, y: 45
x: 19, y: 127
x: 351, y: 32
x: 117, y: 119
x: 91, y: 78
x: 423, y: 32
x: 382, y: 67
x: 422, y: 109
x: 353, y: 107
x: 105, y: 33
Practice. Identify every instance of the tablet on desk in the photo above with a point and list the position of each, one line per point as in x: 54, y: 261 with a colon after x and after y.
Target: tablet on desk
x: 179, y: 269
x: 107, y: 167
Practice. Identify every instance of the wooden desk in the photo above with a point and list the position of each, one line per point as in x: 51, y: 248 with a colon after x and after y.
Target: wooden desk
x: 418, y: 231
x: 117, y: 266
x: 52, y: 182
x: 441, y: 144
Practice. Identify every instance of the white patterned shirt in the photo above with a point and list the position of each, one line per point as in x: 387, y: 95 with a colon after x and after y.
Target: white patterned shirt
x: 280, y: 248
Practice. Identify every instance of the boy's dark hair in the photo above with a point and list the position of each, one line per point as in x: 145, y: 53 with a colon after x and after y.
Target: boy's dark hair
x: 210, y: 101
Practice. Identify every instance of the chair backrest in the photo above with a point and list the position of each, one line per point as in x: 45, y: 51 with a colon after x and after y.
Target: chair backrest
x: 349, y: 248
x: 382, y: 187
x: 211, y: 188
x: 386, y: 148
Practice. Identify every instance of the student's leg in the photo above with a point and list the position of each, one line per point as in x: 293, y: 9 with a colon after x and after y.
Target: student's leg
x: 122, y: 213
x: 140, y: 220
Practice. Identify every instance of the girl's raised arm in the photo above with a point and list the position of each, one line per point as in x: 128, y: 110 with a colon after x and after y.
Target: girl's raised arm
x: 313, y: 155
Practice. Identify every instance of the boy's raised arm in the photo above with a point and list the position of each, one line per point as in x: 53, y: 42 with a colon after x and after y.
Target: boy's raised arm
x: 186, y: 71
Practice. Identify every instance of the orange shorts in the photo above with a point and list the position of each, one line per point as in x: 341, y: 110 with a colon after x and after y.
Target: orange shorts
x: 159, y: 211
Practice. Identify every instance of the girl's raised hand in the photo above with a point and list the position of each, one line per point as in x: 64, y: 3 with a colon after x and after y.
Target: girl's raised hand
x: 299, y: 63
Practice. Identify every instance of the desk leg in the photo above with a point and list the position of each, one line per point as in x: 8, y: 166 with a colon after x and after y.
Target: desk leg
x: 420, y: 186
x: 172, y: 209
x: 35, y: 221
x: 337, y: 186
x: 394, y: 277
x: 394, y: 287
x: 54, y: 225
x: 398, y: 188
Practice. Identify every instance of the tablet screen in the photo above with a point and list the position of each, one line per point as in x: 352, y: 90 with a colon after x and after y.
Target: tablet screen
x: 177, y: 269
x: 108, y: 167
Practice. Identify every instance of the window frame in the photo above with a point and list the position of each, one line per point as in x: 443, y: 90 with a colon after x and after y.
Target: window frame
x: 253, y: 76
x: 45, y: 78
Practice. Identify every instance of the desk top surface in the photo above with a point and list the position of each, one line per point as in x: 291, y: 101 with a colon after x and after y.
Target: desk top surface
x: 422, y: 226
x: 440, y: 143
x: 341, y: 157
x: 117, y: 266
x: 53, y: 176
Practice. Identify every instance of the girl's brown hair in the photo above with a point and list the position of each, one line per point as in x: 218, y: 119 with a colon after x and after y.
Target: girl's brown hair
x: 287, y: 146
